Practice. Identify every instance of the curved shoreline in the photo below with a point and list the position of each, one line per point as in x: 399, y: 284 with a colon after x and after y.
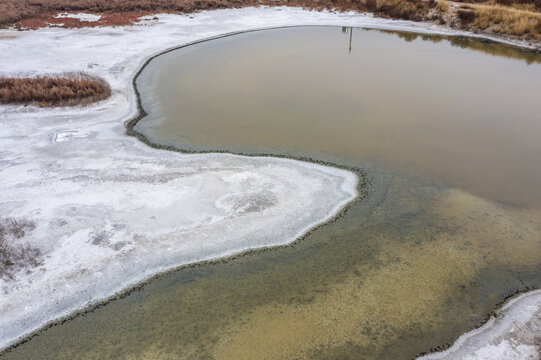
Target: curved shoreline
x: 131, y: 123
x: 454, y: 346
x: 139, y: 285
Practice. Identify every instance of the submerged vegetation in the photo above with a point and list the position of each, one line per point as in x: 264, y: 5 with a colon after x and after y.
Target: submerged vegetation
x: 504, y: 17
x: 68, y: 89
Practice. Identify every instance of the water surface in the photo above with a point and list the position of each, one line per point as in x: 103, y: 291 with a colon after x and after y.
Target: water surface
x: 449, y: 135
x: 459, y: 117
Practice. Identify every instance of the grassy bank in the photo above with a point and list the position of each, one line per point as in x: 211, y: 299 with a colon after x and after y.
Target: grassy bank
x: 505, y: 20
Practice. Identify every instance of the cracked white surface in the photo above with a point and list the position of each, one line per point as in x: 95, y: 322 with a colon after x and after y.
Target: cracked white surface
x: 109, y: 210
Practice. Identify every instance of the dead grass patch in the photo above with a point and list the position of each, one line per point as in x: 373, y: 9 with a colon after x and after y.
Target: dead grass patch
x: 15, y: 254
x: 442, y: 6
x: 505, y: 20
x: 403, y: 9
x: 66, y: 90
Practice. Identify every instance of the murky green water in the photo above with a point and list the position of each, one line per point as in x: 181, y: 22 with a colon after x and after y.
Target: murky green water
x: 450, y: 136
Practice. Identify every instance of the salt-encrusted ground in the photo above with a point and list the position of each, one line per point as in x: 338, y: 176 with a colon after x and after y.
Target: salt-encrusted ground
x: 514, y: 334
x: 110, y: 211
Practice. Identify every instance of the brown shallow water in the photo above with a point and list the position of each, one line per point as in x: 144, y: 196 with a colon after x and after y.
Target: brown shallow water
x: 449, y: 135
x: 461, y: 118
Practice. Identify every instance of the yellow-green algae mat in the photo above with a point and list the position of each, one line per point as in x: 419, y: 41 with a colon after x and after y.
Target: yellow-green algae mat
x: 408, y: 268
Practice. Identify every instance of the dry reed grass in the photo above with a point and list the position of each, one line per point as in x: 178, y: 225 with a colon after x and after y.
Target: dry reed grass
x: 14, y: 253
x: 506, y: 20
x: 65, y: 90
x: 442, y: 6
x: 403, y: 9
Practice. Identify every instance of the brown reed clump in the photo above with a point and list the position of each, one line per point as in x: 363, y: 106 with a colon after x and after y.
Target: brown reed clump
x: 15, y: 254
x: 442, y: 6
x: 64, y: 90
x: 504, y: 20
x: 404, y: 9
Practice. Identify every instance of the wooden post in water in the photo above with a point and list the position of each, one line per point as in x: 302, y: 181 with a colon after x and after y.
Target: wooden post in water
x: 350, y: 37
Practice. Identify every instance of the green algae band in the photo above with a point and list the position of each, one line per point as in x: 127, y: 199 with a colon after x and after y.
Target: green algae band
x: 448, y: 132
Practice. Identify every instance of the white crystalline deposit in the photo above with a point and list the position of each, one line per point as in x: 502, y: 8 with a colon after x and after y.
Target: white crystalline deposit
x: 515, y: 334
x: 108, y: 210
x: 109, y: 213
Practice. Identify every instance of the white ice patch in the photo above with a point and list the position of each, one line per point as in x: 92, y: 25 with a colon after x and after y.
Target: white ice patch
x: 110, y: 211
x: 66, y: 135
x: 514, y: 334
x: 80, y: 16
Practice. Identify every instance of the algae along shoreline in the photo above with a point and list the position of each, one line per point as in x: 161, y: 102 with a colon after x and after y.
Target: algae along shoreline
x: 416, y: 280
x: 407, y: 270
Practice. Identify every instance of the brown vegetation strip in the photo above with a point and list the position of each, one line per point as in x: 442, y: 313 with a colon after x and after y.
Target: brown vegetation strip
x: 34, y: 14
x: 69, y: 89
x: 55, y: 19
x: 519, y: 18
